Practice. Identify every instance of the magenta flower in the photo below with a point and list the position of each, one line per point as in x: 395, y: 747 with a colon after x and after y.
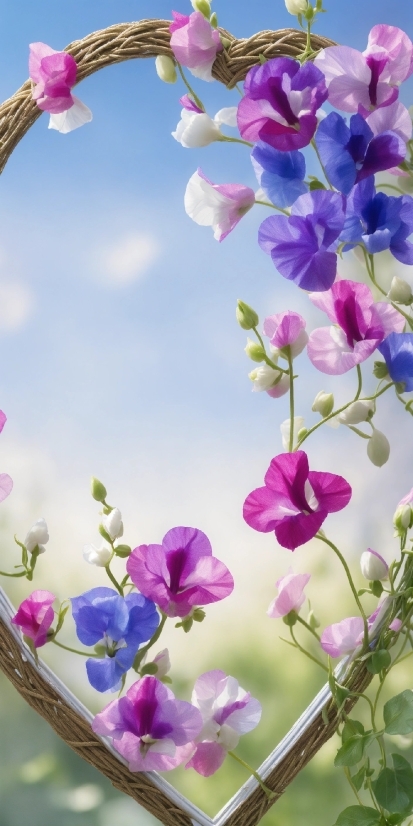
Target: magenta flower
x: 220, y: 206
x: 227, y: 712
x: 189, y: 104
x: 280, y: 103
x: 195, y: 43
x: 290, y: 595
x: 150, y: 728
x: 343, y: 637
x: 181, y: 573
x: 362, y: 326
x: 54, y: 74
x: 295, y: 501
x: 363, y: 82
x: 35, y: 616
x: 286, y: 330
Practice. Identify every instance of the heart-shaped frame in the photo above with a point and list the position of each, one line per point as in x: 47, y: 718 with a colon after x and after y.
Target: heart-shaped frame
x: 33, y: 679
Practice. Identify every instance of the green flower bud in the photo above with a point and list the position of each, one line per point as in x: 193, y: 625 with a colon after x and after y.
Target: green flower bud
x: 247, y: 317
x: 323, y: 403
x: 98, y: 490
x: 290, y: 619
x: 165, y: 68
x: 123, y: 551
x: 380, y: 370
x: 203, y: 6
x: 214, y: 20
x: 403, y: 519
x: 301, y: 433
x: 254, y: 350
x: 313, y: 621
x: 400, y: 291
x: 198, y: 615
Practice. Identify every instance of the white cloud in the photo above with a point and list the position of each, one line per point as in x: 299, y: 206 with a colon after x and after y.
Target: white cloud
x: 16, y: 305
x: 127, y: 259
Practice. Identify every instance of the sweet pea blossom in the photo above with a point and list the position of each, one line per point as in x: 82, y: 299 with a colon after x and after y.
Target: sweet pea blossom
x: 196, y: 128
x: 112, y: 523
x: 394, y: 118
x: 35, y: 615
x: 54, y: 75
x: 379, y: 221
x: 195, y: 43
x: 150, y: 728
x: 356, y: 413
x: 220, y: 206
x: 373, y: 566
x: 280, y: 102
x: 189, y: 104
x: 267, y: 378
x: 285, y: 427
x: 295, y: 501
x: 181, y: 573
x: 343, y: 637
x: 279, y: 174
x: 303, y: 245
x: 284, y: 330
x: 362, y: 82
x: 119, y: 625
x: 97, y: 556
x: 227, y: 712
x: 37, y: 537
x: 396, y: 625
x: 378, y: 448
x: 397, y: 350
x: 290, y: 595
x: 360, y: 326
x: 6, y: 483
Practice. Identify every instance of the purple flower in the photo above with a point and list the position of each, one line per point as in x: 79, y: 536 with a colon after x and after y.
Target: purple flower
x: 195, y: 43
x: 379, y: 221
x: 352, y: 153
x: 363, y: 82
x: 181, y: 573
x: 343, y: 637
x: 397, y: 350
x: 227, y: 712
x: 35, y: 615
x: 220, y: 206
x: 281, y: 99
x: 290, y: 595
x: 150, y: 728
x: 190, y: 104
x: 362, y: 326
x: 279, y: 174
x: 119, y: 625
x: 286, y: 330
x: 393, y: 118
x: 295, y: 501
x: 303, y: 246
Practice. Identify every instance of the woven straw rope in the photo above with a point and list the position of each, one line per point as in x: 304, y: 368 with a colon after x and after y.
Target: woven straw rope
x: 149, y: 38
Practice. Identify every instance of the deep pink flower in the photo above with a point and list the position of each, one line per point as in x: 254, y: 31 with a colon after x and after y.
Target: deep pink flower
x: 220, y: 206
x: 343, y: 637
x: 54, y: 74
x: 181, y: 573
x: 195, y: 43
x: 227, y: 712
x: 35, y: 616
x: 363, y: 82
x: 150, y: 728
x: 286, y: 330
x: 362, y: 326
x: 290, y: 595
x: 295, y: 501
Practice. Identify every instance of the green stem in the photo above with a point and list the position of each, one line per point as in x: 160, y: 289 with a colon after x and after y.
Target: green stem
x: 348, y: 775
x: 73, y: 650
x: 112, y: 579
x: 290, y: 370
x: 351, y: 583
x: 360, y: 383
x: 227, y: 139
x: 308, y: 627
x: 307, y: 653
x: 190, y: 89
x: 142, y: 651
x: 390, y: 186
x: 268, y: 360
x: 314, y: 145
x: 271, y: 795
x: 272, y: 206
x: 22, y: 573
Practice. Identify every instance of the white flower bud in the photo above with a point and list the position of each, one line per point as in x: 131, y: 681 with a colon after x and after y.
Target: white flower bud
x: 400, y: 291
x: 323, y: 403
x: 296, y: 6
x: 285, y: 431
x: 378, y: 448
x: 163, y: 662
x: 403, y: 519
x: 165, y: 68
x: 37, y: 535
x: 97, y: 556
x: 356, y: 413
x: 112, y: 523
x: 196, y: 129
x: 254, y: 350
x: 373, y: 566
x: 263, y: 377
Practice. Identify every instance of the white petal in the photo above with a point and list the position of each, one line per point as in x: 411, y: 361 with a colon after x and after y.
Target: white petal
x: 76, y: 116
x: 228, y: 116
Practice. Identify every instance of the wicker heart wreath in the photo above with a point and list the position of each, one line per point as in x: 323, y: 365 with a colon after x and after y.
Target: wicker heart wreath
x: 377, y: 139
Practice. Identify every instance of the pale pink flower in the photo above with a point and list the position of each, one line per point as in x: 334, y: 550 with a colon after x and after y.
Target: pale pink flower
x: 290, y: 595
x: 195, y: 43
x: 220, y: 206
x: 286, y: 329
x: 343, y: 637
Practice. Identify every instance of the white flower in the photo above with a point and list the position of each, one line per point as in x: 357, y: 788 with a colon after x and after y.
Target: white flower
x: 373, y: 566
x: 263, y: 378
x: 378, y: 448
x: 296, y: 6
x: 285, y: 431
x: 400, y: 291
x: 196, y: 129
x: 97, y: 556
x: 163, y: 662
x: 323, y: 403
x: 220, y: 206
x: 37, y: 535
x: 356, y: 413
x: 72, y: 118
x: 165, y: 68
x: 112, y: 523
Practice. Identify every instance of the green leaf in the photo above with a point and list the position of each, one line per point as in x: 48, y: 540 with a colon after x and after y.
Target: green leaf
x: 359, y: 816
x: 378, y: 660
x: 394, y: 787
x: 350, y: 728
x: 316, y: 185
x: 351, y: 752
x: 358, y: 779
x: 398, y: 713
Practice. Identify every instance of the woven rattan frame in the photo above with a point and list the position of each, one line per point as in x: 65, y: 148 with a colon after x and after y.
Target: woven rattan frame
x: 34, y: 681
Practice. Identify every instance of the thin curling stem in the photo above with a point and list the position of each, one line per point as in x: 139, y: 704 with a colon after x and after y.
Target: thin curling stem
x: 290, y: 369
x: 351, y: 583
x: 197, y: 100
x: 271, y: 795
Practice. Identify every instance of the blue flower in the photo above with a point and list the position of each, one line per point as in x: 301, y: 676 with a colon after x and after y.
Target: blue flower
x: 379, y: 221
x: 397, y: 350
x: 280, y: 174
x: 120, y: 625
x: 352, y: 153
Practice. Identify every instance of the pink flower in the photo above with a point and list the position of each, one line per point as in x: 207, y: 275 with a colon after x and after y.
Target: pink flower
x: 286, y: 330
x: 295, y: 501
x: 363, y: 82
x: 181, y: 573
x: 290, y: 595
x: 220, y: 206
x: 227, y: 712
x: 343, y: 637
x: 150, y: 728
x: 362, y: 326
x: 54, y: 74
x: 195, y: 43
x: 6, y: 483
x: 35, y: 616
x: 396, y: 625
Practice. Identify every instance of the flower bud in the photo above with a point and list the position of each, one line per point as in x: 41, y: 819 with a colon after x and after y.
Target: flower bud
x: 163, y: 663
x: 378, y: 448
x: 165, y: 68
x: 203, y: 6
x: 290, y: 619
x: 285, y: 431
x: 356, y: 413
x: 112, y: 523
x: 400, y: 291
x: 323, y: 403
x: 312, y: 620
x: 247, y: 317
x: 97, y: 556
x: 296, y: 6
x: 98, y: 490
x: 37, y: 536
x: 254, y: 350
x: 373, y: 566
x: 214, y: 20
x: 380, y: 370
x: 403, y: 519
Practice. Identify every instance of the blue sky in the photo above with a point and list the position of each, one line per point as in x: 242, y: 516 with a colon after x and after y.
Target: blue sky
x: 120, y: 355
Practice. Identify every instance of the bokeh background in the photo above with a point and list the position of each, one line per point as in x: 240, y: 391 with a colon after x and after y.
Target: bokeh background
x: 121, y: 358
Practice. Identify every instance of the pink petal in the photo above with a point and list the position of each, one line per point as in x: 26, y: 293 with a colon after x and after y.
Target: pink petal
x: 394, y: 118
x: 347, y: 76
x: 332, y: 492
x: 3, y: 420
x: 6, y: 485
x: 208, y: 758
x: 342, y: 637
x: 37, y: 52
x: 399, y: 48
x: 329, y: 351
x: 291, y: 595
x: 294, y: 531
x: 389, y: 318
